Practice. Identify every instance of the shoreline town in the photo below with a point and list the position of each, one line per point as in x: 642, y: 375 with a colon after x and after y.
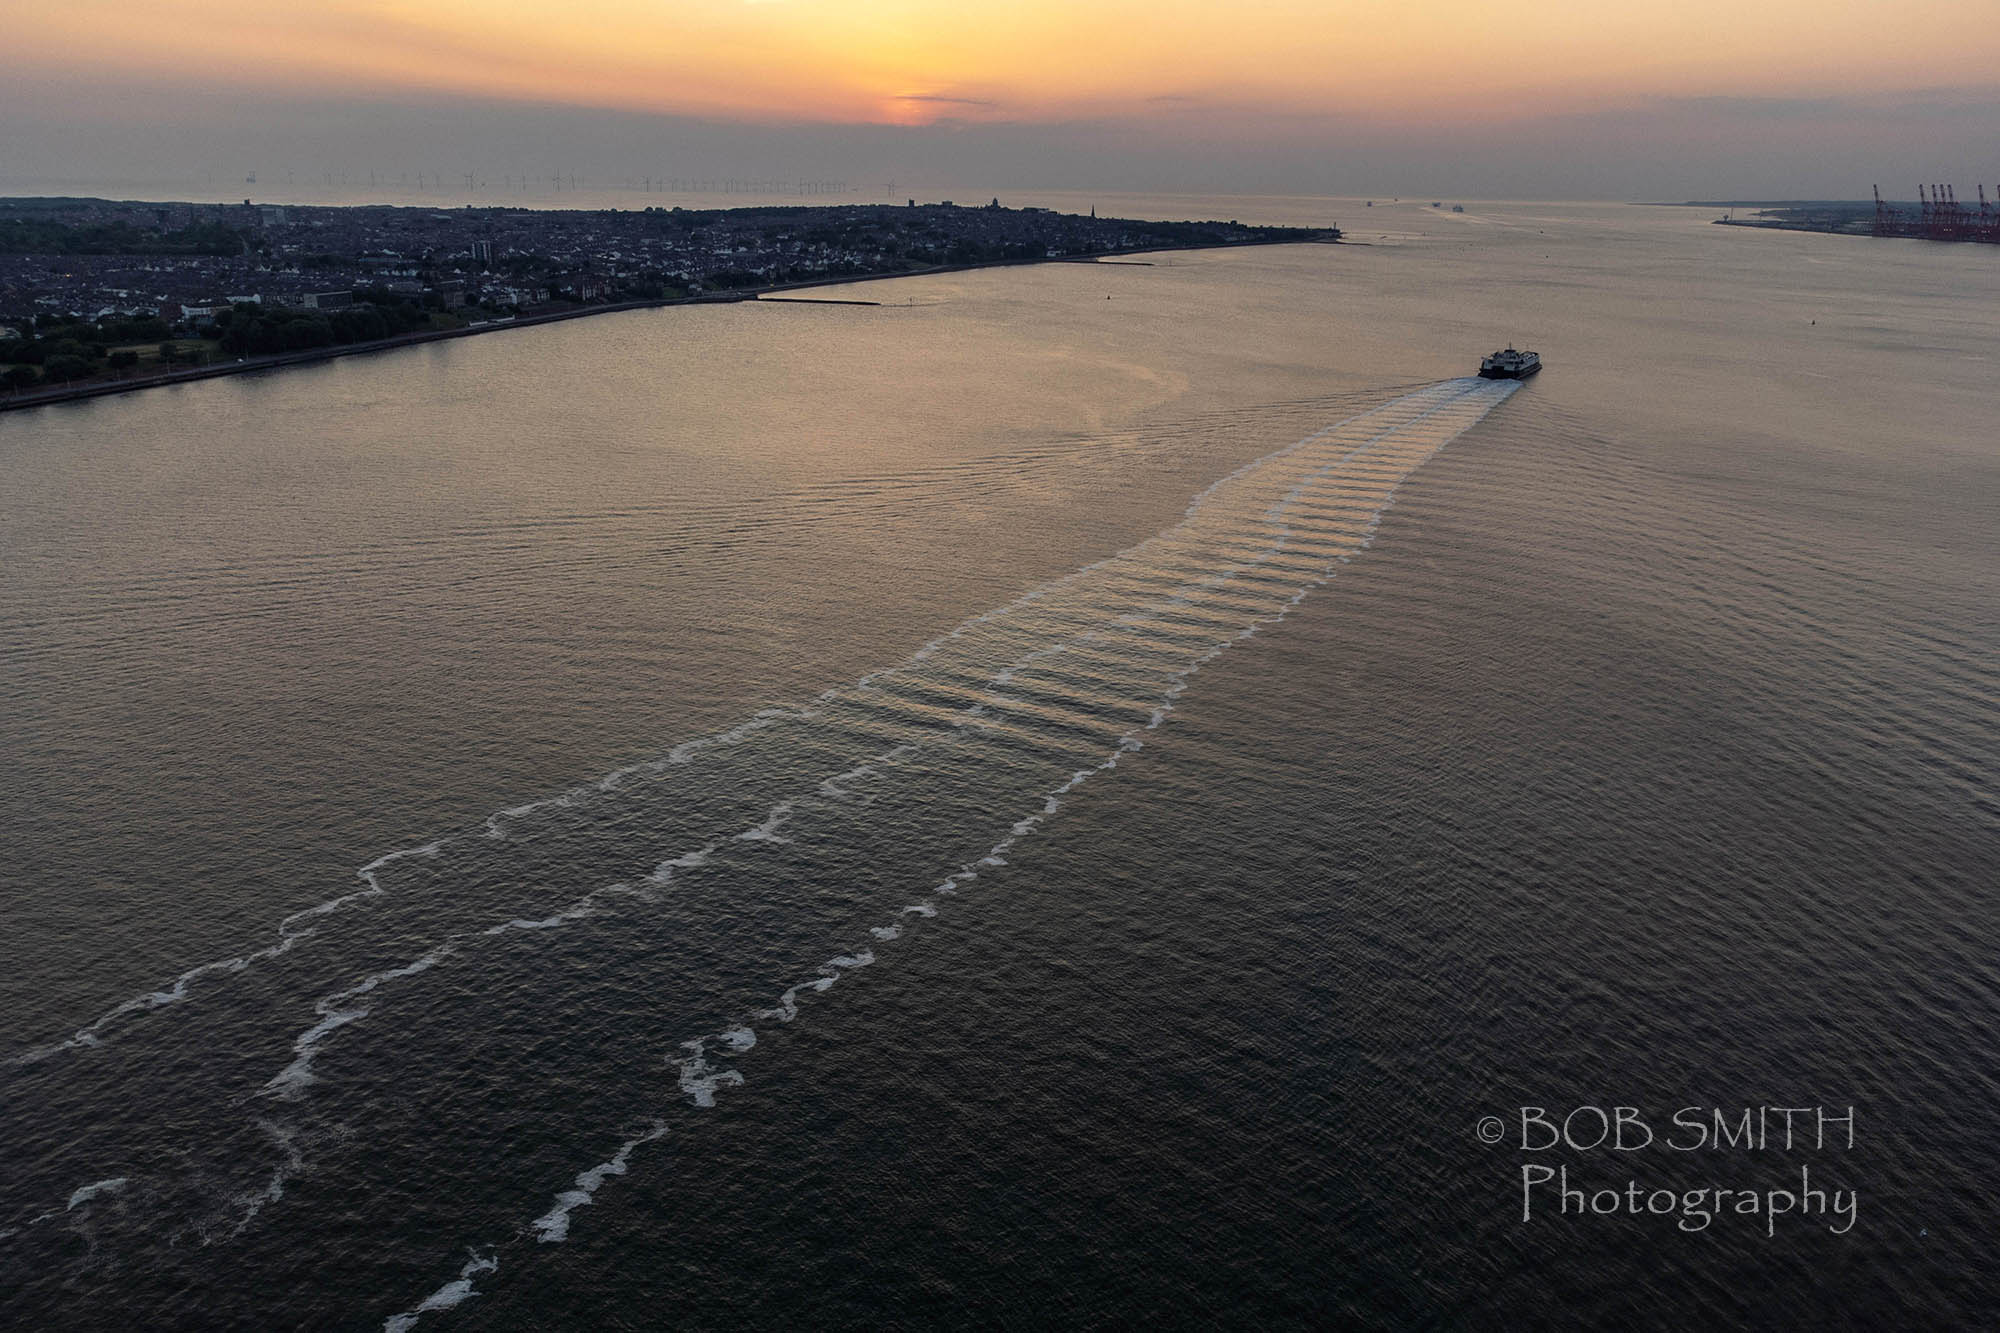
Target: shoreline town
x: 99, y: 297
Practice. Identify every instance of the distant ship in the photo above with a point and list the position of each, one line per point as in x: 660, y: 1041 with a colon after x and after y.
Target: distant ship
x: 1510, y: 365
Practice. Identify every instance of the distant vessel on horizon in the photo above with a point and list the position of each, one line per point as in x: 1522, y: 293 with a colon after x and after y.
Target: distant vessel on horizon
x: 1510, y: 365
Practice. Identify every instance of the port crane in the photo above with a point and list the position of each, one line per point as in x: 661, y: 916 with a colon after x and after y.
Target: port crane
x: 1940, y: 217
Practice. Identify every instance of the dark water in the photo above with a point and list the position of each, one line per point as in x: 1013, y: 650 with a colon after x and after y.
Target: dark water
x: 1019, y: 808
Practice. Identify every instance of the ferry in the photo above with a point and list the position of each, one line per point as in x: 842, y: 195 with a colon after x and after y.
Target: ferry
x: 1510, y: 365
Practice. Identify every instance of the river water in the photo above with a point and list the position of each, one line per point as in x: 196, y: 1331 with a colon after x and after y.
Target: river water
x: 1061, y: 798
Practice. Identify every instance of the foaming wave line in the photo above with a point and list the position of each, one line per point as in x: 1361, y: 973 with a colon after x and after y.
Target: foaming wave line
x: 453, y: 1293
x: 500, y: 824
x: 551, y: 1227
x: 292, y: 932
x: 347, y: 1006
x: 699, y: 1081
x: 291, y: 1161
x: 81, y: 1195
x: 85, y: 1193
x: 339, y: 1009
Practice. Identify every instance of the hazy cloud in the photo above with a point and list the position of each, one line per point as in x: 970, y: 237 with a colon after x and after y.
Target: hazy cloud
x: 1662, y: 148
x: 941, y: 99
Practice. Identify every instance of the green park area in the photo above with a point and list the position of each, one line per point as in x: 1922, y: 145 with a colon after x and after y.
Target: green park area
x: 66, y: 350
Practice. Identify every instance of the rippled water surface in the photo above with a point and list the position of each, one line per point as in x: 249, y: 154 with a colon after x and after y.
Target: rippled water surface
x: 1059, y: 799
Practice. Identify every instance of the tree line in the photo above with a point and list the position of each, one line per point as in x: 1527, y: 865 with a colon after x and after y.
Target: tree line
x: 255, y: 330
x: 26, y: 236
x: 58, y: 349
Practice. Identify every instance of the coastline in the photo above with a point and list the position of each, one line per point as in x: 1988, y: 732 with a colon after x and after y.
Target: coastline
x: 278, y: 360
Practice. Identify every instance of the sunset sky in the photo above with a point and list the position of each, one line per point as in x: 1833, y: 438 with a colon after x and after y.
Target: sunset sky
x: 1246, y: 94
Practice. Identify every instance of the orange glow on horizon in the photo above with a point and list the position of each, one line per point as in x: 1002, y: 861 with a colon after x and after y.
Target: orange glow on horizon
x: 1193, y: 69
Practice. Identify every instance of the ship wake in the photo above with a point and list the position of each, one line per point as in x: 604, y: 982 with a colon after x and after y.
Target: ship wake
x: 667, y: 915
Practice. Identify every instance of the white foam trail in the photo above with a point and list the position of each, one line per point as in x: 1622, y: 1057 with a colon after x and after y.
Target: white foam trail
x: 836, y: 788
x: 663, y: 873
x: 290, y: 1162
x: 337, y: 1010
x: 552, y: 1227
x: 451, y: 1295
x: 293, y: 930
x: 86, y: 1193
x: 291, y: 933
x: 700, y: 1081
x: 767, y: 831
x: 497, y: 826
